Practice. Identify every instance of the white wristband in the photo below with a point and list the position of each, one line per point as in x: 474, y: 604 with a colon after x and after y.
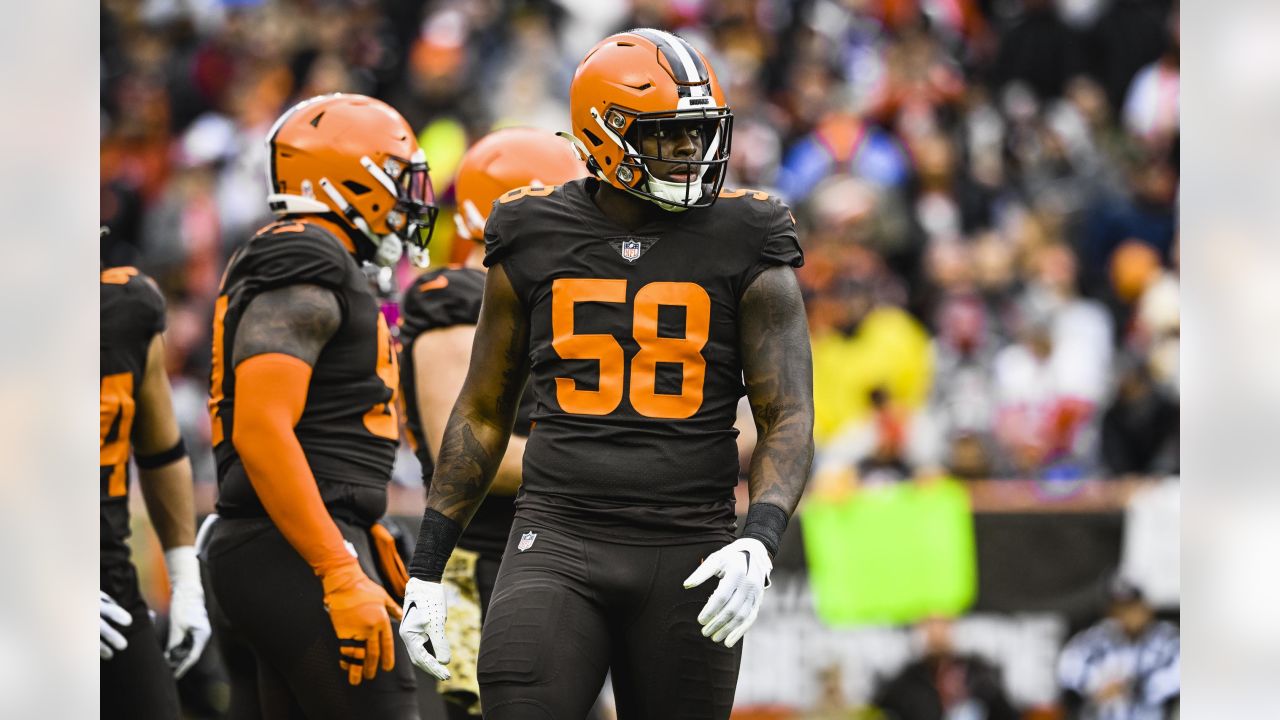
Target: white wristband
x: 183, y: 567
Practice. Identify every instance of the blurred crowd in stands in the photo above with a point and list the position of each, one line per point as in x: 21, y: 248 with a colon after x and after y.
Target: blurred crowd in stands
x: 986, y: 189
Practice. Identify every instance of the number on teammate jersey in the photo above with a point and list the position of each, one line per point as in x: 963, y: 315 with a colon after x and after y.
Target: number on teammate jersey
x: 116, y: 409
x: 607, y: 351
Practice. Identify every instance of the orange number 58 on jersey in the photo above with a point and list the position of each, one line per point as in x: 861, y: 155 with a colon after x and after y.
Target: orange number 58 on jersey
x: 607, y: 351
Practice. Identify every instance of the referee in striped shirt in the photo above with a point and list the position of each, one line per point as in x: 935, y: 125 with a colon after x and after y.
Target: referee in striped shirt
x: 1126, y: 666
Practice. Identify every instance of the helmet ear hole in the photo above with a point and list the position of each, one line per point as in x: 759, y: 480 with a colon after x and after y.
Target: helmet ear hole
x: 376, y: 207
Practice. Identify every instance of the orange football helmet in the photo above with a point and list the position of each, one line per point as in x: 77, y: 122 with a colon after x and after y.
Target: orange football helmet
x: 503, y: 161
x: 356, y: 158
x: 627, y: 87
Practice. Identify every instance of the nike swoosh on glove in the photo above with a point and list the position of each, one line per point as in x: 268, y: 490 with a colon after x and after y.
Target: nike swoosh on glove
x: 111, y: 640
x: 188, y: 620
x: 422, y: 628
x: 743, y: 567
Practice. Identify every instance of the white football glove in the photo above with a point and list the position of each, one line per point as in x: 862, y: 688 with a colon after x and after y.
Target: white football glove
x: 423, y: 622
x: 188, y: 620
x: 111, y: 640
x: 743, y: 567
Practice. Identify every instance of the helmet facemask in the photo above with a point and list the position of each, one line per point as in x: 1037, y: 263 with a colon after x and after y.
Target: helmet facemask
x: 704, y: 174
x: 411, y: 220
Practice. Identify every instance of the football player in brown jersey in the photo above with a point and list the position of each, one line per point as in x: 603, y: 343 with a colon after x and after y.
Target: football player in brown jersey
x: 641, y: 303
x: 137, y: 418
x: 437, y: 325
x: 305, y: 423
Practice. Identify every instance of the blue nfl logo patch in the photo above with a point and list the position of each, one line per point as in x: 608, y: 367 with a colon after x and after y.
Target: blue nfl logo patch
x: 631, y: 250
x: 526, y: 541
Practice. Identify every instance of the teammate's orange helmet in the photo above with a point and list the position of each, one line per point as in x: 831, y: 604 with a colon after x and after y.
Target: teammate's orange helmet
x: 356, y: 158
x: 505, y: 160
x: 626, y: 88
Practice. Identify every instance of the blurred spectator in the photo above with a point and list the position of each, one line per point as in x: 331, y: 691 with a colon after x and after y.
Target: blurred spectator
x: 947, y: 204
x: 969, y: 458
x: 865, y: 347
x: 1140, y: 429
x: 1126, y: 667
x: 842, y: 142
x: 1145, y: 213
x: 1135, y: 265
x: 832, y: 704
x: 1049, y: 384
x: 1129, y: 35
x: 1151, y: 105
x: 1080, y: 327
x: 1039, y: 50
x: 921, y: 86
x: 1037, y: 419
x: 943, y: 684
x: 1156, y: 331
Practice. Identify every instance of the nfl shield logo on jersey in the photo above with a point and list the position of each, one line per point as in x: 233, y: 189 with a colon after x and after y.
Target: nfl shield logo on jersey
x: 631, y: 250
x: 526, y: 541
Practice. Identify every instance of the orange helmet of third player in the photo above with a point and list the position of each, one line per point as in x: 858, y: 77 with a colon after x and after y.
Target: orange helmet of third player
x: 505, y: 160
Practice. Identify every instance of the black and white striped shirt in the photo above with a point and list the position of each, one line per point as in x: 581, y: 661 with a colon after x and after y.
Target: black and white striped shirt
x: 1148, y: 665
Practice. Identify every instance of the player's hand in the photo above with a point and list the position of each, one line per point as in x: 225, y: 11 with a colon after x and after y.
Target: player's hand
x: 188, y: 620
x: 111, y: 640
x: 423, y: 627
x: 743, y: 567
x: 361, y: 613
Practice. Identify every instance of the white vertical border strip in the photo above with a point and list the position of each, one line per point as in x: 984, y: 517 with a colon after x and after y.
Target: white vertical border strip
x: 48, y: 371
x: 1229, y: 69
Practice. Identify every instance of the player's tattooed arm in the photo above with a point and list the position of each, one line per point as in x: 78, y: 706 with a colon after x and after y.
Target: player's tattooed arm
x: 777, y: 365
x: 295, y: 320
x: 479, y: 427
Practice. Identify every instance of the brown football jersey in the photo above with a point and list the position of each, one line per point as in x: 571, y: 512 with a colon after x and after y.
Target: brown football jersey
x: 349, y: 428
x: 132, y: 314
x: 634, y: 353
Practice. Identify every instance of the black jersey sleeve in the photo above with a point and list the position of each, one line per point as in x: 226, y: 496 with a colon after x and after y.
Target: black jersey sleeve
x: 780, y: 245
x: 499, y: 229
x: 150, y: 310
x: 439, y: 299
x: 133, y: 309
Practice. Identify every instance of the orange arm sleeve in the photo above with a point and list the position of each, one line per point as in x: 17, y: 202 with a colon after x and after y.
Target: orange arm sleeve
x: 271, y: 391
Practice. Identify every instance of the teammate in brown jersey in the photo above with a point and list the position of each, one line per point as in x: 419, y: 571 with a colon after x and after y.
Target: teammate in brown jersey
x: 305, y: 426
x: 641, y: 303
x: 137, y: 418
x: 437, y: 325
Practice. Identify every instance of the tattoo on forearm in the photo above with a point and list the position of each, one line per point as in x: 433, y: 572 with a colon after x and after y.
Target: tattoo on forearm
x: 479, y: 427
x: 460, y: 482
x: 778, y: 368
